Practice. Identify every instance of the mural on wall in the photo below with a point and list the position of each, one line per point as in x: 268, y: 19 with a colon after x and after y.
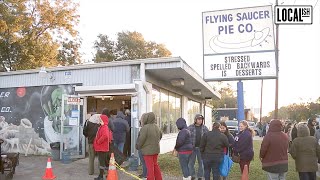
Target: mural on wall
x: 30, y: 118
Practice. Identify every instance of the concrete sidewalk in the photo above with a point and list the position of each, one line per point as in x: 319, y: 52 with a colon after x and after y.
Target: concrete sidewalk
x: 33, y: 168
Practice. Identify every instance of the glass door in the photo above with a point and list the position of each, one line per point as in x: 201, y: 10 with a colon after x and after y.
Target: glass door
x: 72, y: 139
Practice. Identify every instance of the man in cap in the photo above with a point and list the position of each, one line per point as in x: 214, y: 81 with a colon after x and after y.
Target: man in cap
x: 197, y: 129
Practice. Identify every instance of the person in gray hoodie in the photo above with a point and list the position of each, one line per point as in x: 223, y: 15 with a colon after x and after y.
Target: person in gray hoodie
x: 121, y: 127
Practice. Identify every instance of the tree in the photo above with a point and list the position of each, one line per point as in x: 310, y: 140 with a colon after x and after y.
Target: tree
x: 228, y: 98
x: 129, y: 46
x: 35, y: 33
x: 297, y: 112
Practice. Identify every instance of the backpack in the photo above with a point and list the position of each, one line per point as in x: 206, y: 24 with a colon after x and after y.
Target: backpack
x: 85, y: 129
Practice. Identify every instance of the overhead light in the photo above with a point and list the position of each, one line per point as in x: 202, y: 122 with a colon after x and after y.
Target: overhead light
x: 43, y: 74
x: 196, y: 92
x: 177, y: 82
x: 102, y: 97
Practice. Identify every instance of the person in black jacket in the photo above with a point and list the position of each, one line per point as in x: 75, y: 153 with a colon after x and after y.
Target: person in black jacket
x: 183, y: 147
x: 211, y: 148
x: 90, y: 131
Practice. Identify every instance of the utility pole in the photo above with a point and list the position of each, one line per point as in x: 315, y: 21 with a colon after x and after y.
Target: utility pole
x: 277, y: 66
x: 261, y: 100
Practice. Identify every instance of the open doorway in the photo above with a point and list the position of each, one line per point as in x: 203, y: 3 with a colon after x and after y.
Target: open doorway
x: 115, y: 103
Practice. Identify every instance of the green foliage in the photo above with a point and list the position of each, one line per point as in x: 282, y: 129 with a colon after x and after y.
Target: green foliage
x: 228, y: 98
x: 297, y: 112
x: 129, y: 46
x: 38, y: 33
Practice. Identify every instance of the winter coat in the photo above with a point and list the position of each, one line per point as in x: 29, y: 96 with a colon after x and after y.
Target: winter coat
x: 311, y: 127
x: 121, y: 127
x: 183, y: 142
x: 231, y: 142
x: 243, y: 145
x: 274, y: 149
x: 103, y: 137
x: 149, y: 136
x: 92, y: 129
x: 305, y: 150
x: 213, y: 142
x: 192, y: 129
x: 317, y: 135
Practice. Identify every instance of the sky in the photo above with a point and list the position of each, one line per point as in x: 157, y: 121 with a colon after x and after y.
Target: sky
x: 178, y: 25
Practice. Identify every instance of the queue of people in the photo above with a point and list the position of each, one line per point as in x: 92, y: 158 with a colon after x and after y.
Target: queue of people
x: 196, y: 143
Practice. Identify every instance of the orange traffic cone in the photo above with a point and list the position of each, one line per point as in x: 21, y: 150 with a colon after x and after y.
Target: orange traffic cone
x: 112, y: 172
x: 245, y: 173
x: 49, y: 173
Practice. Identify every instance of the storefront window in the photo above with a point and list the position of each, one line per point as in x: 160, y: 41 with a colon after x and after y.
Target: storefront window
x: 156, y: 104
x: 167, y: 108
x: 164, y: 97
x: 193, y: 109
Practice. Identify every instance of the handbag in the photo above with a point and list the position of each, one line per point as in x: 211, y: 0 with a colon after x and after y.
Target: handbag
x: 225, y: 166
x: 235, y: 158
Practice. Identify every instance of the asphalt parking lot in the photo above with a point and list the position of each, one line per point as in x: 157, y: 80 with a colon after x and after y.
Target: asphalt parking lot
x: 33, y: 168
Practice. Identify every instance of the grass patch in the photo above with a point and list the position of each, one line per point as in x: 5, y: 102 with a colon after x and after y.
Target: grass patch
x: 170, y: 165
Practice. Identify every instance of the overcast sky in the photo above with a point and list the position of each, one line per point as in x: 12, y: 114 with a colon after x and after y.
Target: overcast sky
x: 178, y: 25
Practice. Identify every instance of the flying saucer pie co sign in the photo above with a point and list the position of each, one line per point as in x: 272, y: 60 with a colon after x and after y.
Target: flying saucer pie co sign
x: 239, y: 44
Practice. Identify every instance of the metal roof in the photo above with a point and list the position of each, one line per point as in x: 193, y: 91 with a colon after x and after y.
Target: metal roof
x: 163, y: 69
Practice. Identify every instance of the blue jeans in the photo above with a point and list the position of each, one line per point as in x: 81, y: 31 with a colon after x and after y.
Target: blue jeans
x: 143, y: 163
x: 195, y: 154
x: 307, y: 175
x: 212, y: 162
x: 184, y: 161
x: 119, y: 145
x: 276, y: 176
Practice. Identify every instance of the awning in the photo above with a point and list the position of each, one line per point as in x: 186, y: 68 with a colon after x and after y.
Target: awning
x: 121, y: 89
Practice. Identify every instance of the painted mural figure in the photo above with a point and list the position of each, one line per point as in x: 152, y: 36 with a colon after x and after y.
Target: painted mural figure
x: 30, y: 119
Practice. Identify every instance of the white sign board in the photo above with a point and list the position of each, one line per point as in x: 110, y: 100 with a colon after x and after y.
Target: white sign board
x: 74, y: 100
x: 294, y: 14
x: 239, y: 44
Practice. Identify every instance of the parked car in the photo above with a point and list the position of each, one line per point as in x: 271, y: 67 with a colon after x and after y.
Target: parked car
x: 233, y: 127
x: 253, y: 126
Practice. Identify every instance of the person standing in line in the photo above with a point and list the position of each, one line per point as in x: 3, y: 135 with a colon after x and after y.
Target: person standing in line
x: 305, y: 150
x: 149, y: 144
x: 121, y: 128
x: 211, y: 148
x: 183, y: 147
x: 197, y: 129
x: 101, y: 144
x: 127, y: 144
x: 317, y: 134
x: 227, y: 150
x: 243, y: 144
x: 143, y: 163
x: 107, y: 113
x: 311, y: 125
x: 90, y: 131
x: 274, y: 152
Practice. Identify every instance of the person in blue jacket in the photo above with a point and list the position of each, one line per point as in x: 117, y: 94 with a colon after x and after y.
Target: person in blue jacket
x: 243, y: 144
x: 184, y: 147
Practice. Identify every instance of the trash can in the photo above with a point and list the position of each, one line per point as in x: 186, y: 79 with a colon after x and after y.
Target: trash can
x: 65, y: 157
x: 55, y: 151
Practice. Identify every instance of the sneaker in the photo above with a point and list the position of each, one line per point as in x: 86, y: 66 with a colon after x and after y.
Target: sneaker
x: 141, y: 176
x: 193, y: 178
x: 98, y: 178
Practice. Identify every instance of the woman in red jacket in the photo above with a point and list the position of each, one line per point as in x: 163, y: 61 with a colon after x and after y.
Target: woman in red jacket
x: 101, y: 144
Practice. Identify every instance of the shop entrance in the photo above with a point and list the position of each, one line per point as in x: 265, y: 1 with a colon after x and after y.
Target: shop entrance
x: 115, y: 103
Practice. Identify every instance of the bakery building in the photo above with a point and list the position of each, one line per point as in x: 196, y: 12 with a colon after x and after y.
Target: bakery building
x: 41, y: 106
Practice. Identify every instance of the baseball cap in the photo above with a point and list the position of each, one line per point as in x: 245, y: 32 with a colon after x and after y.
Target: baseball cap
x: 198, y: 116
